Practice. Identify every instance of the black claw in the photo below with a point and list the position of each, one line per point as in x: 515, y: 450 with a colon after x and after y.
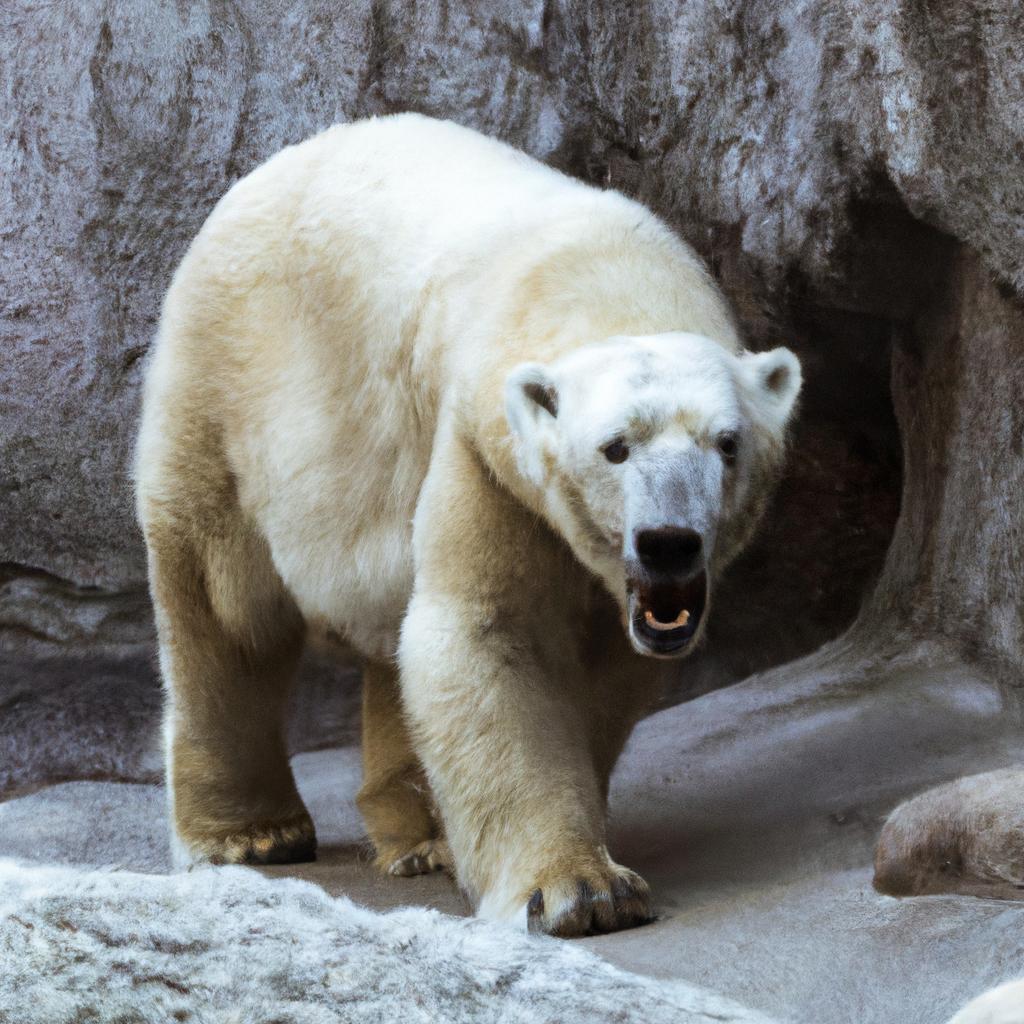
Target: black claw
x: 625, y: 892
x: 535, y: 913
x: 301, y: 852
x: 304, y: 854
x: 623, y: 889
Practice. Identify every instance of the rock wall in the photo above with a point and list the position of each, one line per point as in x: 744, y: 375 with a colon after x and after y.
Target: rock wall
x: 828, y: 158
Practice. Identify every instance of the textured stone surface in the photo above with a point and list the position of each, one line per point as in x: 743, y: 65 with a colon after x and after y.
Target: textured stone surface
x: 224, y: 945
x: 793, y: 144
x: 752, y: 812
x: 955, y: 569
x: 92, y: 716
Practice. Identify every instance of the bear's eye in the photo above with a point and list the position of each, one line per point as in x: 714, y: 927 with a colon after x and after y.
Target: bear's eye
x: 729, y: 446
x: 616, y: 451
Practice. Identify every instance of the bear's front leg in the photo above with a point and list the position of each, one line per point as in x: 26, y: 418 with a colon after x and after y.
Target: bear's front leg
x: 507, y: 754
x: 501, y: 711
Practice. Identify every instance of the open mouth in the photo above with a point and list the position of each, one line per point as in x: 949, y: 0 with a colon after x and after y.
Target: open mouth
x: 665, y: 617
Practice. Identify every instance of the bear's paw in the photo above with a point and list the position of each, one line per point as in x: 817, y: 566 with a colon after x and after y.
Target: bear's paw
x: 292, y: 841
x: 604, y: 899
x: 422, y: 859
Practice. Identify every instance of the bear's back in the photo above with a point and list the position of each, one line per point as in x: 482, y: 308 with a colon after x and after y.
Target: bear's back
x: 448, y: 184
x: 411, y: 188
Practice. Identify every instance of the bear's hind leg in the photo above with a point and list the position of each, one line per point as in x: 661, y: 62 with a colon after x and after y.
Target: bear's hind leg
x: 230, y: 639
x: 395, y: 798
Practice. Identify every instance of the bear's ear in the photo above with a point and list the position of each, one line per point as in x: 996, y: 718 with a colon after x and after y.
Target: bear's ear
x: 530, y: 397
x: 774, y: 381
x: 531, y: 407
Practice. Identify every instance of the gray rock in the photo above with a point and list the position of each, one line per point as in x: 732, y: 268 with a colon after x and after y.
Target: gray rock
x: 828, y: 159
x: 964, y: 836
x: 226, y: 945
x: 94, y: 716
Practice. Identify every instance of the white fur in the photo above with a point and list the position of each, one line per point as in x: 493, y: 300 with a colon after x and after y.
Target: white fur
x: 669, y: 397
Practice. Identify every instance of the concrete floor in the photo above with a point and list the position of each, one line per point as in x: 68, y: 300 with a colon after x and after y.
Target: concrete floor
x: 751, y: 811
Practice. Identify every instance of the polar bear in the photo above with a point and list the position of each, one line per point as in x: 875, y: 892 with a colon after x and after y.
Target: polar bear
x: 491, y: 426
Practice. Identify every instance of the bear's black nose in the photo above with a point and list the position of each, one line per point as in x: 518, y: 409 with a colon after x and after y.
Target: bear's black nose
x: 669, y: 550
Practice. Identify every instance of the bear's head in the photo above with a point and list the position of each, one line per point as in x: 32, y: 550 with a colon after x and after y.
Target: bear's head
x: 654, y: 457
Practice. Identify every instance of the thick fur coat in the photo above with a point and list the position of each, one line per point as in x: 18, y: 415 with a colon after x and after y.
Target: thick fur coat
x: 490, y: 426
